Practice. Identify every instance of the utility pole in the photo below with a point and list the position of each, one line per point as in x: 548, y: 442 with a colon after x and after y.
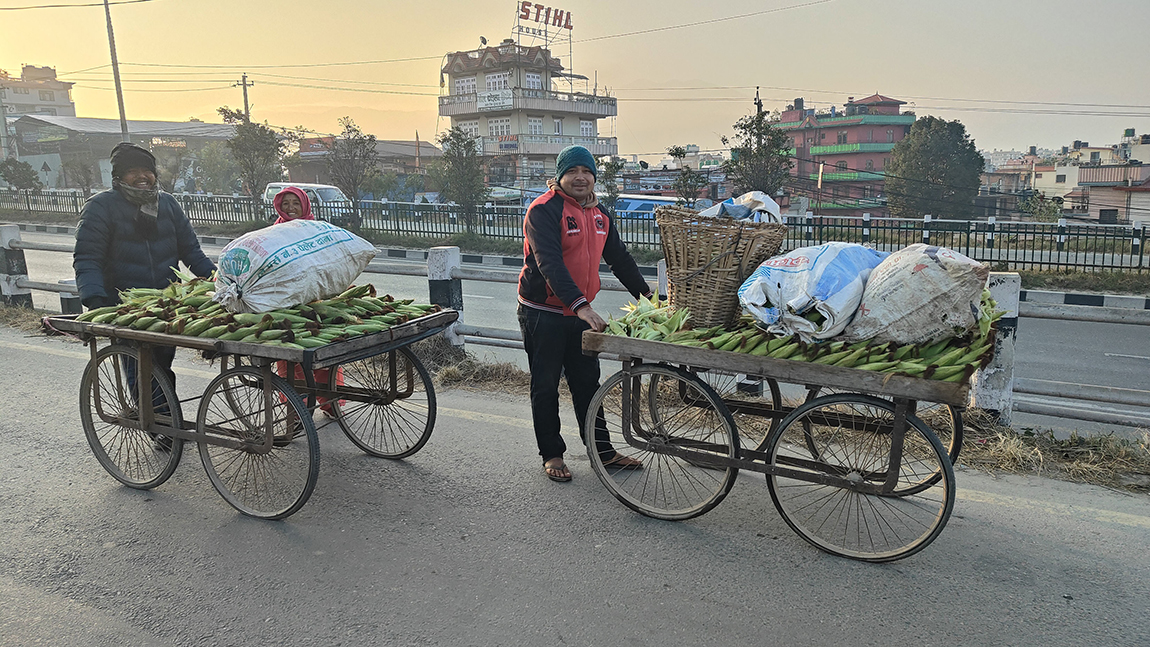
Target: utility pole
x: 116, y: 74
x: 3, y: 126
x: 244, y: 83
x: 759, y: 117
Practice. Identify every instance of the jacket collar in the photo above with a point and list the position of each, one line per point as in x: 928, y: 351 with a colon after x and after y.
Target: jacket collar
x: 553, y: 184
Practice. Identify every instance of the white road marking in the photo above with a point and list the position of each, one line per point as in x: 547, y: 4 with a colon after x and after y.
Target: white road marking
x: 84, y: 355
x: 1130, y: 356
x: 476, y: 296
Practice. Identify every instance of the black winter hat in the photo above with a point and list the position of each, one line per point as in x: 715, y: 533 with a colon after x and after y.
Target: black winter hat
x: 127, y: 156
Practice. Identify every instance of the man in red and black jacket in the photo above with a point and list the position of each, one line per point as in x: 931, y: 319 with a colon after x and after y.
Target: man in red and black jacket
x: 566, y: 233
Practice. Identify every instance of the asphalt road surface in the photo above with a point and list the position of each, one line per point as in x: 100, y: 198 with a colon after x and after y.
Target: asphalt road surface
x: 467, y: 543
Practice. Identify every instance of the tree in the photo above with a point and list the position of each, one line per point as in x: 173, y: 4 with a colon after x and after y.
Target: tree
x: 171, y: 165
x: 759, y: 159
x: 609, y: 168
x: 381, y: 185
x: 1041, y: 209
x: 934, y: 170
x: 352, y: 160
x: 19, y: 175
x: 689, y: 182
x: 216, y: 171
x: 459, y: 173
x: 78, y: 171
x: 257, y: 150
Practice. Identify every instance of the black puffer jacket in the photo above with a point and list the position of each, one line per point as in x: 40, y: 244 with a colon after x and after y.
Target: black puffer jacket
x: 113, y: 252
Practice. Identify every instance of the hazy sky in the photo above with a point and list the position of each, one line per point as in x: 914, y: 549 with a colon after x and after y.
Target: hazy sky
x: 964, y: 60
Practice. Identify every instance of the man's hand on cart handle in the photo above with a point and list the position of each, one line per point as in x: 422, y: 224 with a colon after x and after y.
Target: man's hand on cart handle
x: 592, y: 318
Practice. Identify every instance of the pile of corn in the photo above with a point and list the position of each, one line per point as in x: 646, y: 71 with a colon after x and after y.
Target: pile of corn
x: 949, y: 360
x: 186, y: 308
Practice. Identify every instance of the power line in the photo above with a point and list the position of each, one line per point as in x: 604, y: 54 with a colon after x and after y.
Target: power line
x: 236, y: 67
x: 706, y: 22
x: 72, y: 6
x: 369, y: 90
x: 97, y: 87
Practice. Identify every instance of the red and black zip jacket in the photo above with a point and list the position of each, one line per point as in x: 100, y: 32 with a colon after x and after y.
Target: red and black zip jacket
x: 563, y: 242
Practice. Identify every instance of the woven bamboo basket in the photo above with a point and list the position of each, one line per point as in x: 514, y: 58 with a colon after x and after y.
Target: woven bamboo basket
x: 709, y: 258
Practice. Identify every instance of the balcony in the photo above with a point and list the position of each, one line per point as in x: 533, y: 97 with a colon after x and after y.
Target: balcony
x: 837, y: 149
x: 574, y: 103
x: 848, y: 176
x: 546, y: 144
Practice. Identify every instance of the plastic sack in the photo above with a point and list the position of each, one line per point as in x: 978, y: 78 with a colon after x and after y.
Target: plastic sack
x: 755, y: 206
x: 827, y: 279
x: 920, y: 294
x: 289, y: 264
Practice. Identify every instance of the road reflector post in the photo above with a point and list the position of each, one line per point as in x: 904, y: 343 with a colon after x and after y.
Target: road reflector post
x: 14, y: 269
x: 443, y: 288
x: 993, y: 386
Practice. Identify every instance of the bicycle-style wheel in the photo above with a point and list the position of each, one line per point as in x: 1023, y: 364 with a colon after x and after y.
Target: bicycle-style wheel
x: 672, y: 432
x: 110, y: 415
x: 389, y: 404
x: 239, y: 406
x: 747, y: 398
x: 854, y: 441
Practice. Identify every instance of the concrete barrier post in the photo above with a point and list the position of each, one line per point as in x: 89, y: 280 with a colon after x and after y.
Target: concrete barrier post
x: 443, y: 289
x: 661, y: 272
x: 993, y: 386
x: 14, y: 269
x: 70, y: 301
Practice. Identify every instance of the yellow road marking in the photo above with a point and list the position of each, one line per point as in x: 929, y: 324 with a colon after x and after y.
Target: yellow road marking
x: 1062, y: 509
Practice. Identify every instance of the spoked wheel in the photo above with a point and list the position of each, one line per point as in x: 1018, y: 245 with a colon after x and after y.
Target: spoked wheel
x: 744, y: 399
x: 942, y: 419
x: 389, y: 409
x: 672, y: 431
x: 853, y: 439
x: 111, y: 419
x: 238, y: 406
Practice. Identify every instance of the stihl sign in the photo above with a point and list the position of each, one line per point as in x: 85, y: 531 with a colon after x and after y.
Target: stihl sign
x: 545, y: 15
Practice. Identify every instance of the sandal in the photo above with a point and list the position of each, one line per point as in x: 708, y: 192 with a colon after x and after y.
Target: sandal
x: 621, y: 462
x: 559, y: 468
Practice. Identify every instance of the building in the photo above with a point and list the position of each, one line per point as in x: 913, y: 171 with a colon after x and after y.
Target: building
x: 83, y: 144
x: 505, y: 96
x: 852, y: 149
x: 1117, y: 193
x: 36, y: 91
x: 403, y: 158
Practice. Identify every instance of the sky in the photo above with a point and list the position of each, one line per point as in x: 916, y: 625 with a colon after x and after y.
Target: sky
x: 1006, y: 68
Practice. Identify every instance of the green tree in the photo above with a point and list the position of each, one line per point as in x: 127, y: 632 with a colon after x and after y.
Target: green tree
x: 19, y: 175
x: 1041, y: 209
x: 459, y: 174
x: 689, y: 182
x: 217, y: 172
x: 352, y: 161
x: 935, y: 170
x: 381, y: 185
x: 257, y: 150
x: 759, y: 158
x: 609, y: 168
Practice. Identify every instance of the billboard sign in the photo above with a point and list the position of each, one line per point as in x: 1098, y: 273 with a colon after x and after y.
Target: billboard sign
x: 494, y: 100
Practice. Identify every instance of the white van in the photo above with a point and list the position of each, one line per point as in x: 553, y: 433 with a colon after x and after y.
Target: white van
x: 327, y: 201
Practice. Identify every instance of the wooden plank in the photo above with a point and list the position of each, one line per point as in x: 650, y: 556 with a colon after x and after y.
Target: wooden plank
x: 781, y: 370
x: 69, y: 324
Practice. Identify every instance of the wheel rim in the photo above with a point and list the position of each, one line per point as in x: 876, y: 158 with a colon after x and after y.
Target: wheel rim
x: 853, y: 439
x: 110, y: 417
x: 390, y: 410
x: 270, y: 485
x: 668, y: 487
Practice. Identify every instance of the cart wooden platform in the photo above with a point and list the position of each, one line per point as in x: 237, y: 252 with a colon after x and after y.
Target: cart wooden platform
x: 856, y: 473
x: 254, y: 422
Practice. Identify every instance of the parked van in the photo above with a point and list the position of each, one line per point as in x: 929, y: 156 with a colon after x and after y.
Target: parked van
x: 327, y: 201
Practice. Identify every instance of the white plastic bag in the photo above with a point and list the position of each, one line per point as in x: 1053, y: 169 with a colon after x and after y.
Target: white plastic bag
x: 920, y: 294
x: 827, y: 279
x: 288, y: 264
x: 755, y: 206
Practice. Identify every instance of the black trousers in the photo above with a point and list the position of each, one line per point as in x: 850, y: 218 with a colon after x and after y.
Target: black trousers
x: 162, y: 357
x: 554, y: 345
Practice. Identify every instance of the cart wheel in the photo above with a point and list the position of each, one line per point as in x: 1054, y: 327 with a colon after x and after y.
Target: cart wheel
x: 753, y: 429
x: 111, y: 420
x: 236, y: 406
x: 668, y: 486
x: 387, y: 406
x: 944, y: 420
x: 852, y: 434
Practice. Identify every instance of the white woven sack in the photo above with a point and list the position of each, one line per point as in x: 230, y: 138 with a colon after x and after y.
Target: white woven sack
x: 288, y: 264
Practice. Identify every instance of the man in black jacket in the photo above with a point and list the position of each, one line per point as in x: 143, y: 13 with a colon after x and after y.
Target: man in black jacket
x: 566, y: 234
x: 131, y: 236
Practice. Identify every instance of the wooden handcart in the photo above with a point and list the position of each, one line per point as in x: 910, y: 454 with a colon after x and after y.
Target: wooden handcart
x: 255, y: 432
x: 855, y: 473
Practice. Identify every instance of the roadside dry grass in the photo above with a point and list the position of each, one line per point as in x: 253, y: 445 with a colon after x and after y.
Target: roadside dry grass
x: 1096, y: 282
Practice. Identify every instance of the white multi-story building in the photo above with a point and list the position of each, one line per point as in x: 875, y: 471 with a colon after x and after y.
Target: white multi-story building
x: 505, y: 96
x: 36, y: 91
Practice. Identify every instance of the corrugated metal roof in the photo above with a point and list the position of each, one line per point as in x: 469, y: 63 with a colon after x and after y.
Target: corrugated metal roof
x: 93, y: 126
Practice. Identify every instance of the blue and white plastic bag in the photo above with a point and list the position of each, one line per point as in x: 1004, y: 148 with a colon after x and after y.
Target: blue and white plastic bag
x: 828, y: 279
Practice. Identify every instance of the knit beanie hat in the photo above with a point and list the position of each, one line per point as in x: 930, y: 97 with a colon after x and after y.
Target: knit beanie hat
x: 573, y: 156
x: 127, y: 156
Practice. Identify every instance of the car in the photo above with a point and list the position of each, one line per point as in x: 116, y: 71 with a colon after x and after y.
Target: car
x: 327, y: 202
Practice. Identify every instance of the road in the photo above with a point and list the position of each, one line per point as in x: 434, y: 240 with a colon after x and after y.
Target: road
x: 466, y: 543
x: 1115, y: 355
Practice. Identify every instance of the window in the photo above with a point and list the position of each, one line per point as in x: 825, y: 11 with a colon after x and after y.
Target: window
x: 842, y: 137
x: 535, y: 169
x: 841, y: 165
x: 885, y: 162
x: 558, y: 126
x: 1037, y: 176
x: 798, y: 142
x: 535, y: 125
x: 890, y: 136
x: 497, y: 80
x: 1060, y: 179
x: 1095, y: 156
x: 822, y: 136
x: 46, y: 111
x: 497, y: 127
x: 20, y: 90
x: 868, y: 191
x: 534, y: 81
x: 869, y: 165
x: 586, y: 128
x: 465, y: 85
x: 47, y: 95
x: 470, y: 127
x: 870, y: 135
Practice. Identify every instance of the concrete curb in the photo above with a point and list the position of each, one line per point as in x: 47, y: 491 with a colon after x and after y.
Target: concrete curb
x: 1075, y: 299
